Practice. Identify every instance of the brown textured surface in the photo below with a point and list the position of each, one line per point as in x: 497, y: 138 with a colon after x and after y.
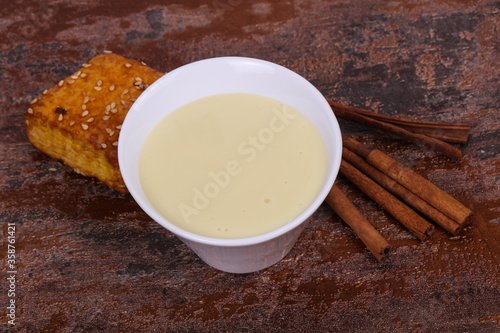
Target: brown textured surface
x: 88, y: 259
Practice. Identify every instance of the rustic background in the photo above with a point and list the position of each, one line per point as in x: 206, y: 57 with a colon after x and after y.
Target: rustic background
x: 88, y: 258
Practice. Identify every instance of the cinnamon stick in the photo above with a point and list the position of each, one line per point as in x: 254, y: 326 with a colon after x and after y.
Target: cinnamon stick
x: 355, y: 146
x: 449, y: 132
x: 373, y: 240
x: 427, y: 141
x: 417, y: 184
x: 404, y: 214
x: 395, y: 188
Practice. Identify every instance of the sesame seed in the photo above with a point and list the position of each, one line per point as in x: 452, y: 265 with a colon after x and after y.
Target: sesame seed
x: 98, y: 88
x: 60, y: 117
x: 132, y: 99
x: 111, y: 133
x: 114, y: 110
x: 125, y: 92
x: 74, y: 77
x: 78, y: 73
x: 103, y: 145
x: 83, y: 75
x: 84, y: 107
x: 113, y: 104
x: 115, y: 143
x: 91, y: 119
x: 107, y: 129
x: 112, y: 87
x: 118, y: 126
x: 107, y: 51
x: 34, y: 101
x: 99, y: 83
x: 52, y: 169
x: 45, y: 91
x: 86, y: 65
x: 71, y: 123
x: 30, y: 110
x: 60, y: 83
x: 142, y: 62
x: 106, y: 117
x: 27, y: 122
x: 138, y: 79
x: 85, y: 127
x: 123, y: 102
x: 84, y: 113
x: 86, y: 99
x: 71, y: 81
x: 128, y: 65
x: 108, y: 107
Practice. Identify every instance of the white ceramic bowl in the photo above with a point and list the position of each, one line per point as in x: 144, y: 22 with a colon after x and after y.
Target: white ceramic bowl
x: 218, y: 76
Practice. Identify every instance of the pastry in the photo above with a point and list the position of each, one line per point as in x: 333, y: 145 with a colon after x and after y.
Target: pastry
x: 79, y: 119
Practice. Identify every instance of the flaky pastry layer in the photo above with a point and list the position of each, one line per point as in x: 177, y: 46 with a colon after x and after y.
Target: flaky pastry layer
x: 79, y: 119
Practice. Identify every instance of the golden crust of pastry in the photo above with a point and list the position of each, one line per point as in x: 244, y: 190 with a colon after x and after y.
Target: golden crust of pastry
x: 79, y: 119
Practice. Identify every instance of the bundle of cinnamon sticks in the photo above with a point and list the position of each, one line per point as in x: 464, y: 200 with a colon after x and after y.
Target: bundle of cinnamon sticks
x: 406, y: 195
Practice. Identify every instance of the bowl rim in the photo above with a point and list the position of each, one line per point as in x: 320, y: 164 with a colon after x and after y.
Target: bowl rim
x: 246, y: 241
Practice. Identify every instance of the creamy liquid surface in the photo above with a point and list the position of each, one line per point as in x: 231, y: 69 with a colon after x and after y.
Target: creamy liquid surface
x: 232, y: 165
